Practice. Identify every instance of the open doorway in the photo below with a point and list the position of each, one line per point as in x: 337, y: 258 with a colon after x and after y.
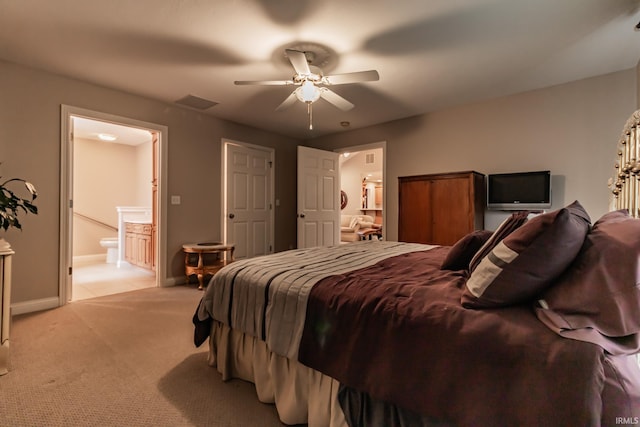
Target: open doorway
x: 362, y: 181
x: 112, y: 190
x: 111, y: 230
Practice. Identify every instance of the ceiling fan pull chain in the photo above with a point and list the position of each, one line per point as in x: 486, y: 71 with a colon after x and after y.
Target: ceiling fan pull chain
x: 309, y: 110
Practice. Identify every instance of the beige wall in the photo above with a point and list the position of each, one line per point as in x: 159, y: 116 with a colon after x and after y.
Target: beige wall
x: 30, y: 148
x: 106, y: 175
x: 351, y: 184
x: 571, y: 129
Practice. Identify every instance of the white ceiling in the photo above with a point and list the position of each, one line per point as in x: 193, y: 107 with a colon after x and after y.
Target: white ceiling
x: 430, y: 54
x: 91, y: 129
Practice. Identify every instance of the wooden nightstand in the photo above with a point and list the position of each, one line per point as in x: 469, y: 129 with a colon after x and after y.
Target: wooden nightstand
x: 204, y: 259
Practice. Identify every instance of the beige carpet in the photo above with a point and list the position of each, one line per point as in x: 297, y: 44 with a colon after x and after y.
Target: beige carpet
x: 121, y: 360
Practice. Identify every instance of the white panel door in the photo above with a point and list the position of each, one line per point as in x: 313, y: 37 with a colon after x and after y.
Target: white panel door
x: 248, y: 208
x: 318, y: 198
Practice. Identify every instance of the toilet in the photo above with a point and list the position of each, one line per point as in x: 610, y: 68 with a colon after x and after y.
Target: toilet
x: 111, y: 244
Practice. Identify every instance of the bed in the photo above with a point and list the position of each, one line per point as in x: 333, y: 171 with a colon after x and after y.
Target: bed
x: 536, y: 323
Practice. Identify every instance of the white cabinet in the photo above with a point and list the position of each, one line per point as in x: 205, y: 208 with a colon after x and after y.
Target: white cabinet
x: 5, y: 308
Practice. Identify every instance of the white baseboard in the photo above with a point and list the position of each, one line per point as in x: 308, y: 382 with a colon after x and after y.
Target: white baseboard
x: 35, y: 305
x: 54, y: 302
x: 89, y: 259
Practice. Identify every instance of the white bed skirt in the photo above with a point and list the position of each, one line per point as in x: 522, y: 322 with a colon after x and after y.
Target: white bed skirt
x: 301, y: 394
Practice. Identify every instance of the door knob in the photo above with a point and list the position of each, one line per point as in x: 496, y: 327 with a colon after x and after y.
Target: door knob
x: 301, y: 215
x: 231, y: 216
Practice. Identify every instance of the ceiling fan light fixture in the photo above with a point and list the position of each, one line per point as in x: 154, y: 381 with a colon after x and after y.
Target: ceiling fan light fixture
x: 308, y: 92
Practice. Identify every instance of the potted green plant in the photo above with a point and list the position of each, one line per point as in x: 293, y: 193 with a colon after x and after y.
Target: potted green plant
x: 11, y: 204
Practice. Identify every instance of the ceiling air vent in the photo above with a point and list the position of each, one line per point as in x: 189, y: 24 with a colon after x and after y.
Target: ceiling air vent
x: 369, y: 159
x: 196, y: 102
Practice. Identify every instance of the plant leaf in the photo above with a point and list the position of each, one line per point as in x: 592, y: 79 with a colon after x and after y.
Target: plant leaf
x: 10, y: 204
x: 30, y: 207
x: 32, y: 189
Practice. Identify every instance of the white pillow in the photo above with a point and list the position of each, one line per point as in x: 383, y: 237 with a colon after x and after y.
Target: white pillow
x: 354, y: 222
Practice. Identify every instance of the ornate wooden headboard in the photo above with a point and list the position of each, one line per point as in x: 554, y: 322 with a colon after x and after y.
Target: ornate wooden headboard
x: 625, y: 184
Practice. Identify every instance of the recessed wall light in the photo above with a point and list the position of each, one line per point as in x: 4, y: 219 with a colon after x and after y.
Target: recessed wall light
x: 107, y: 137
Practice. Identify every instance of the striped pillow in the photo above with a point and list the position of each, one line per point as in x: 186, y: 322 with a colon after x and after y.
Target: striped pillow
x: 508, y: 226
x: 527, y: 261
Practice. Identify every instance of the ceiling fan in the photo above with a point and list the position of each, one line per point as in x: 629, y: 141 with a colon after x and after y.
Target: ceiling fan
x: 312, y: 84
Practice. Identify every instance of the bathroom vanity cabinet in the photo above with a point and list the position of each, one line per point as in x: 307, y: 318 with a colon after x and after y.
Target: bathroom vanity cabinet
x: 138, y: 244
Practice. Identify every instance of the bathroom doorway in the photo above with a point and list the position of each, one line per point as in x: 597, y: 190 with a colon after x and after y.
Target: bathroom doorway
x: 113, y: 167
x: 363, y: 183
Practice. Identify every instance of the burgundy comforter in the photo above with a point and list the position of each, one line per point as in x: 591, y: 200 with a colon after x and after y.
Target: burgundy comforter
x: 397, y: 332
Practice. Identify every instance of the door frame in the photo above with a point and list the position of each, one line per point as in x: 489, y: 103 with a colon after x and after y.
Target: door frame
x: 370, y: 146
x: 66, y: 193
x: 225, y: 142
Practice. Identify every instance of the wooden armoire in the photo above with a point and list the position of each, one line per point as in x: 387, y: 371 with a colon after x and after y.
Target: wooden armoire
x: 439, y: 209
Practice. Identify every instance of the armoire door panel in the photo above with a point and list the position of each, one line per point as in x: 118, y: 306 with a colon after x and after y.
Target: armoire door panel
x: 414, y: 197
x: 440, y: 208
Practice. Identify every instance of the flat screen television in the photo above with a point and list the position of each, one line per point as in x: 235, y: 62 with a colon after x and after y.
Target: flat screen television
x: 519, y: 191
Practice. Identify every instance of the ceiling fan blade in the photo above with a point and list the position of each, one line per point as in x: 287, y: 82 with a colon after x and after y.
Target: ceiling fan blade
x: 299, y: 61
x: 291, y: 99
x: 358, y: 76
x: 264, y: 82
x: 335, y: 99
